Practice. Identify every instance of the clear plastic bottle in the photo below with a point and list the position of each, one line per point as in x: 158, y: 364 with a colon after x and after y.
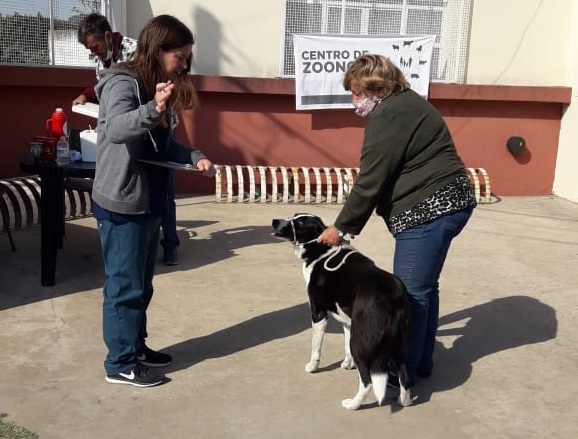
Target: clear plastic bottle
x: 62, y: 151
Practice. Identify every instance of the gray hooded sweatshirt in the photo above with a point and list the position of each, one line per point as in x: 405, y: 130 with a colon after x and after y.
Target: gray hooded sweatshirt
x: 129, y: 130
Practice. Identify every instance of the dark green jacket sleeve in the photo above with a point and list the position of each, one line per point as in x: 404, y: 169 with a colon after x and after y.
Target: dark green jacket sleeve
x: 381, y: 155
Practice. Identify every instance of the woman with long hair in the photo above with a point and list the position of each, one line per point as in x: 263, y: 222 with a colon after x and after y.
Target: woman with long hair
x: 138, y: 105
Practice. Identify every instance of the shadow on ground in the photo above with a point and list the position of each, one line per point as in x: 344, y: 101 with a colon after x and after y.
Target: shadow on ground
x: 199, y: 251
x: 245, y: 335
x: 482, y: 330
x: 79, y: 264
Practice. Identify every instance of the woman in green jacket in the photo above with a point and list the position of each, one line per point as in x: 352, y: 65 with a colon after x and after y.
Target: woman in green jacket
x: 411, y: 174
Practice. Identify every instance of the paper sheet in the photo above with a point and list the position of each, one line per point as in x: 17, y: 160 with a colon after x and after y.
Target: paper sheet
x: 88, y: 109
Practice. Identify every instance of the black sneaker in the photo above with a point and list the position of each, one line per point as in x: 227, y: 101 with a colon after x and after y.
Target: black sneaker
x: 139, y: 376
x: 171, y: 257
x: 151, y: 358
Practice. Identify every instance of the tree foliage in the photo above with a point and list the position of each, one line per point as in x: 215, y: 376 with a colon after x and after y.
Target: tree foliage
x: 87, y: 5
x: 25, y: 39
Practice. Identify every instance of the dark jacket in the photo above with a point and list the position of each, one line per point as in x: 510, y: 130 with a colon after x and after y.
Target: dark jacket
x: 407, y: 155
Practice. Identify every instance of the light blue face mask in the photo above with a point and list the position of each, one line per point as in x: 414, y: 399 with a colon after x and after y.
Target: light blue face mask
x: 366, y: 105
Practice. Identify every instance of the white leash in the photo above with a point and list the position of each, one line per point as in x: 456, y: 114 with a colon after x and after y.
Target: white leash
x: 330, y: 254
x: 338, y: 266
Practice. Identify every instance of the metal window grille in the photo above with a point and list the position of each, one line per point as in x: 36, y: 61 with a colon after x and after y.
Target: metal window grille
x: 44, y: 32
x: 449, y: 20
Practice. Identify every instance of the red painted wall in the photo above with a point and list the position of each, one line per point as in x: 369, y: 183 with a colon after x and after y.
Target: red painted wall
x: 253, y: 121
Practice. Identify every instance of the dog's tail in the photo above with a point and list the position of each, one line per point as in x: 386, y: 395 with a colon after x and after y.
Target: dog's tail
x: 371, y: 349
x: 379, y: 385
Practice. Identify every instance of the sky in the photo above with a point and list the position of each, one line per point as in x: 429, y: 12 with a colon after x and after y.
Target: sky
x: 62, y: 8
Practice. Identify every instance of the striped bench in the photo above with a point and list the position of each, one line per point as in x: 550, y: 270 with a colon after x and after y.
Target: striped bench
x: 20, y: 203
x: 304, y: 184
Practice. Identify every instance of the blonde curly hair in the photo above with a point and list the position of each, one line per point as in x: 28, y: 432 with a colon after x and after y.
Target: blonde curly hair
x: 375, y: 75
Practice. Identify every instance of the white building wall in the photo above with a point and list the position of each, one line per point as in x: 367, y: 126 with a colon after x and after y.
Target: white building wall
x: 519, y: 42
x: 566, y: 177
x: 233, y: 38
x: 512, y: 42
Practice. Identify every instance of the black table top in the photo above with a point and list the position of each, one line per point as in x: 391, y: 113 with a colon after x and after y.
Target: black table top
x: 73, y: 169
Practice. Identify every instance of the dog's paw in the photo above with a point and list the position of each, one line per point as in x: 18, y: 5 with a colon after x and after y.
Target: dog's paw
x: 348, y: 363
x: 405, y: 400
x: 350, y: 404
x: 312, y: 366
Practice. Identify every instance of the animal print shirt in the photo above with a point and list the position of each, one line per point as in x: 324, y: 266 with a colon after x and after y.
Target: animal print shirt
x: 123, y: 51
x: 454, y: 196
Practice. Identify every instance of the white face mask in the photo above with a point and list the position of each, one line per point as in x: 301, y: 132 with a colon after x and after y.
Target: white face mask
x: 365, y: 106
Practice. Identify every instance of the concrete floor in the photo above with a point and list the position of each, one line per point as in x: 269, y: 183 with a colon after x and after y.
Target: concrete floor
x: 234, y: 315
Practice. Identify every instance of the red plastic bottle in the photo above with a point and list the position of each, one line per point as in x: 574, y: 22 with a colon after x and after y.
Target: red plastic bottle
x: 56, y: 125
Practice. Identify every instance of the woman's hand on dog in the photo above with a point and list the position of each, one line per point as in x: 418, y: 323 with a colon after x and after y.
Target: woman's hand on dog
x: 330, y: 236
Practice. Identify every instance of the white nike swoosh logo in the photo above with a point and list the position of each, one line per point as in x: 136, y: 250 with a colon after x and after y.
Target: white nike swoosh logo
x: 128, y: 376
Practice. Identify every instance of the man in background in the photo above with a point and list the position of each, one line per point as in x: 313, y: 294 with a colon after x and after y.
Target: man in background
x: 108, y: 47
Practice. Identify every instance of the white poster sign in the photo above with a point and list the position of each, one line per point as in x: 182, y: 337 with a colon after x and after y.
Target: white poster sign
x: 322, y: 60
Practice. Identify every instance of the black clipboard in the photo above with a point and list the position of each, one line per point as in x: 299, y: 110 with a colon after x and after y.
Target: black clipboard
x: 172, y: 165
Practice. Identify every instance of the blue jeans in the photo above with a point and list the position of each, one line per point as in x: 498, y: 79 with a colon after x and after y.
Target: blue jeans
x: 169, y: 221
x: 420, y: 253
x: 129, y: 250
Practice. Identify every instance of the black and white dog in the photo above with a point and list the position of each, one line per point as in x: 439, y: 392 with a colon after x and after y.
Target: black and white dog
x: 371, y: 303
